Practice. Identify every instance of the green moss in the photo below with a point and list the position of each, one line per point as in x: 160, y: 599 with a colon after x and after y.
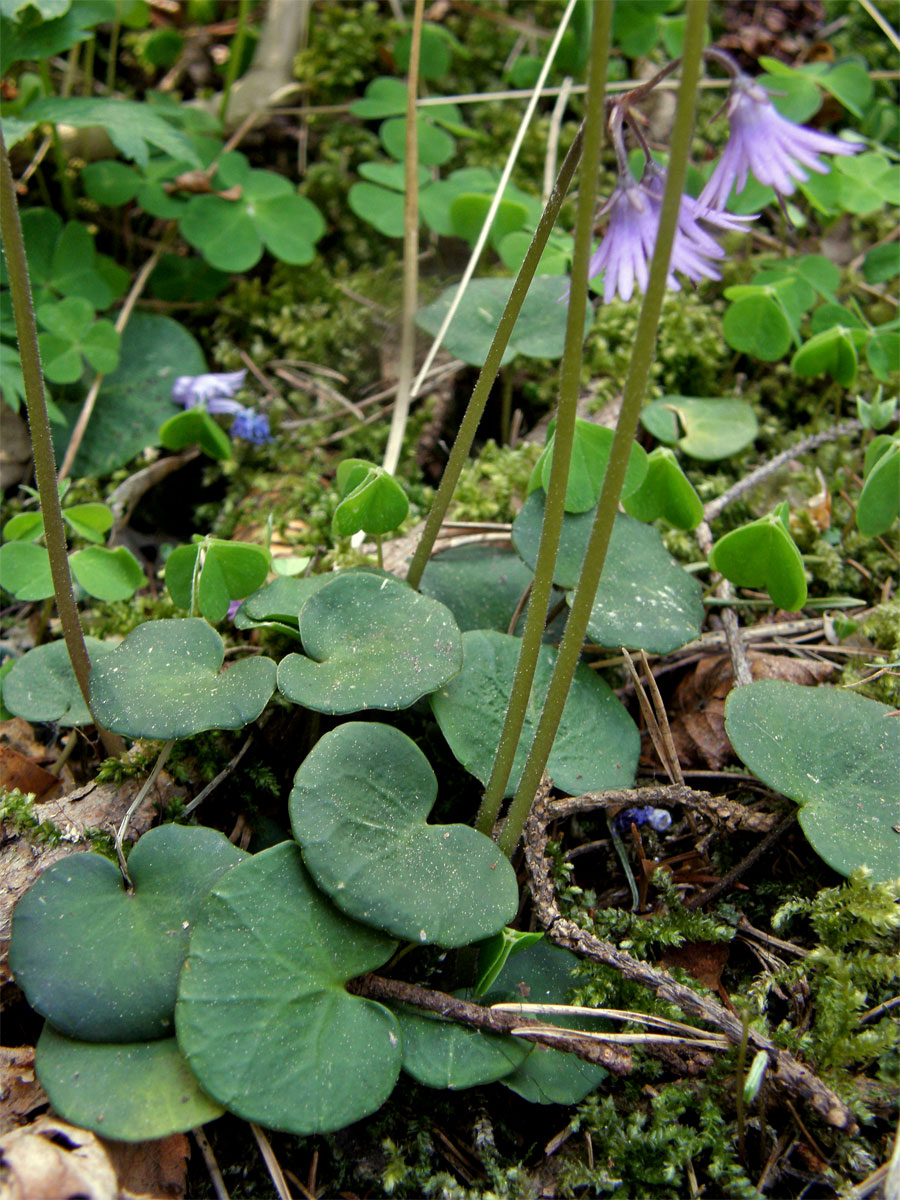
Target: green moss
x: 492, y: 486
x: 17, y: 813
x: 344, y: 50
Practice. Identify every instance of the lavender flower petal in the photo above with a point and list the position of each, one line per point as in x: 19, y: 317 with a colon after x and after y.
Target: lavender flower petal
x: 251, y: 426
x: 209, y: 390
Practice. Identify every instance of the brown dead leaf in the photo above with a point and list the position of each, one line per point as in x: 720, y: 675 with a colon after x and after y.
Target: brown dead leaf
x: 150, y: 1170
x: 704, y: 961
x: 19, y: 771
x: 23, y: 856
x: 20, y: 1092
x: 50, y: 1160
x: 698, y: 727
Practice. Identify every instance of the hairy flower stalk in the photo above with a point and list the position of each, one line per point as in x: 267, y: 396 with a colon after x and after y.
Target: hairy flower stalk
x: 764, y: 143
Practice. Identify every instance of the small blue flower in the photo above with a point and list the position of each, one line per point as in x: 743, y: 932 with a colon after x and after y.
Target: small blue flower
x: 213, y: 392
x: 252, y: 427
x: 659, y: 819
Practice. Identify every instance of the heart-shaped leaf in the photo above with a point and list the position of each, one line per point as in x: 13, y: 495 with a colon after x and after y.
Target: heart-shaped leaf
x: 756, y: 324
x: 597, y: 744
x: 587, y: 468
x: 41, y: 685
x: 833, y: 752
x: 444, y: 1054
x: 263, y: 1017
x: 107, y: 574
x: 25, y: 571
x: 373, y: 501
x: 101, y: 963
x: 89, y: 521
x: 645, y: 599
x: 493, y: 955
x: 665, y: 494
x: 879, y: 501
x: 708, y: 429
x: 195, y: 427
x: 480, y: 584
x: 359, y: 808
x: 228, y: 571
x: 164, y: 682
x: 831, y: 352
x: 542, y: 974
x: 371, y: 643
x: 763, y: 555
x: 135, y: 1092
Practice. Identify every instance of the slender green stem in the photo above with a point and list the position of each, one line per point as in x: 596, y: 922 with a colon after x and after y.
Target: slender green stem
x: 234, y: 58
x: 635, y: 388
x: 469, y: 425
x: 59, y: 157
x: 569, y: 380
x: 41, y: 441
x: 114, y: 45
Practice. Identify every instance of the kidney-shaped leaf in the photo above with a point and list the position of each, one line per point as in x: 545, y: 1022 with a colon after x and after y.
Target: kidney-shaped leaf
x: 666, y: 493
x: 41, y: 685
x: 763, y: 555
x: 359, y: 808
x: 263, y: 1017
x: 372, y: 642
x: 229, y: 571
x: 833, y: 752
x: 480, y: 584
x: 644, y: 599
x: 444, y: 1054
x: 597, y: 744
x: 107, y: 574
x: 133, y: 1092
x: 164, y: 681
x: 587, y: 469
x: 102, y: 963
x: 704, y: 428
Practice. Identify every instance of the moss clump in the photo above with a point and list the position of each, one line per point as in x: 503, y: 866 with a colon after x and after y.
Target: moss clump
x: 17, y: 813
x: 882, y: 627
x: 344, y: 50
x: 492, y: 487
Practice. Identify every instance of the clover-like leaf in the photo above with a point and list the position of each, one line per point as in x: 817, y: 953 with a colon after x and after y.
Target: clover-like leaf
x: 194, y: 427
x: 102, y: 963
x: 645, y: 599
x: 25, y: 571
x: 62, y: 261
x: 879, y: 501
x: 228, y: 571
x: 756, y: 324
x: 764, y: 555
x: 704, y: 428
x: 136, y: 1092
x: 834, y: 753
x: 164, y: 681
x: 73, y: 333
x: 666, y: 493
x: 263, y: 1017
x: 831, y: 352
x: 41, y: 685
x: 597, y: 744
x: 89, y: 521
x: 542, y: 974
x: 371, y: 642
x: 358, y: 809
x: 372, y: 500
x: 445, y: 1054
x: 587, y: 468
x: 107, y: 574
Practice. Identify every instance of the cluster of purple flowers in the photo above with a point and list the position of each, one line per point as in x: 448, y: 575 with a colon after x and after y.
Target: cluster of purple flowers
x: 215, y: 393
x: 761, y: 141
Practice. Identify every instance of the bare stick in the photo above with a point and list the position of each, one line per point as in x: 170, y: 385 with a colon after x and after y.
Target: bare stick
x: 272, y: 1166
x: 211, y: 1165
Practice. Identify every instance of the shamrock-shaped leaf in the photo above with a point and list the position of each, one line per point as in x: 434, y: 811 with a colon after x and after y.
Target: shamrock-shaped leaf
x: 91, y: 521
x: 587, y: 467
x: 102, y: 963
x: 263, y: 1016
x: 227, y: 571
x: 164, y: 682
x: 372, y: 500
x: 879, y: 501
x: 757, y: 323
x: 194, y: 427
x: 268, y: 214
x: 833, y: 752
x: 25, y: 571
x: 371, y: 642
x: 666, y: 493
x: 41, y: 685
x: 597, y: 744
x: 444, y: 1054
x: 764, y: 555
x: 73, y: 333
x: 107, y: 574
x: 136, y: 1092
x: 359, y: 808
x: 831, y: 352
x: 62, y: 261
x: 707, y: 429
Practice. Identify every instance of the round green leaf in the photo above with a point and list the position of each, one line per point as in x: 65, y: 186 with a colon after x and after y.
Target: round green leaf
x: 645, y: 599
x: 539, y: 333
x: 376, y: 505
x: 468, y: 212
x: 101, y: 963
x: 358, y: 809
x: 230, y: 571
x: 756, y: 325
x: 833, y: 752
x: 380, y: 207
x: 223, y: 233
x: 830, y: 352
x: 195, y: 427
x: 263, y: 1017
x: 436, y: 51
x: 289, y: 225
x: 100, y: 346
x: 542, y: 974
x: 279, y: 603
x: 89, y: 521
x: 135, y: 1092
x: 435, y: 145
x: 24, y: 527
x: 587, y: 467
x: 392, y: 175
x: 480, y: 584
x: 107, y: 574
x: 25, y: 571
x: 763, y: 555
x: 666, y: 493
x: 371, y: 642
x: 41, y: 685
x: 384, y: 97
x: 444, y: 1054
x: 597, y: 744
x: 163, y: 682
x: 60, y: 359
x: 879, y: 501
x: 707, y: 429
